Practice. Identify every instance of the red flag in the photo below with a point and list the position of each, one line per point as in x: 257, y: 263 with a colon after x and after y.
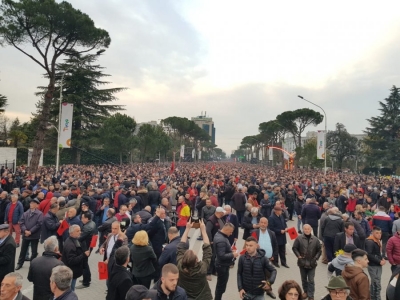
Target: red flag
x: 234, y: 247
x: 172, y: 168
x: 396, y: 208
x: 254, y: 235
x: 242, y: 252
x: 103, y: 271
x: 63, y: 226
x: 292, y: 233
x: 93, y: 242
x: 213, y: 168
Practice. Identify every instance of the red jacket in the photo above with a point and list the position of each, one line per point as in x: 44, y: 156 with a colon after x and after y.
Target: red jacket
x: 351, y: 205
x: 393, y: 249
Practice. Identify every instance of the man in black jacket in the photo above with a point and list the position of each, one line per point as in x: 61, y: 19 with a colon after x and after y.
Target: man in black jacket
x: 307, y: 248
x: 251, y: 222
x: 50, y: 223
x: 332, y: 225
x: 223, y: 258
x: 73, y: 255
x: 277, y: 224
x: 120, y: 279
x: 7, y: 251
x: 88, y: 230
x: 252, y: 269
x: 346, y: 237
x: 41, y: 268
x: 168, y: 255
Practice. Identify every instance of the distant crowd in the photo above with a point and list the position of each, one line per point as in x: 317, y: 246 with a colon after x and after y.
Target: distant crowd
x: 139, y: 219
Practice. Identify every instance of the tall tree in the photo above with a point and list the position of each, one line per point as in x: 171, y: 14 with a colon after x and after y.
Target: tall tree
x: 341, y: 144
x: 3, y: 102
x: 116, y: 134
x: 53, y: 29
x: 271, y: 132
x: 296, y: 121
x: 383, y: 134
x: 92, y: 104
x: 306, y: 155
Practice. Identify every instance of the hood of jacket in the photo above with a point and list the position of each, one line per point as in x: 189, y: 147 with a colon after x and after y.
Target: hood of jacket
x: 342, y: 260
x: 350, y: 272
x: 334, y: 217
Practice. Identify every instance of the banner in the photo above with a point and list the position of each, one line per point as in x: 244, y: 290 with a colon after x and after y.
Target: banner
x: 193, y: 153
x: 66, y: 125
x: 321, y: 144
x: 199, y: 155
x: 270, y: 154
x: 182, y: 154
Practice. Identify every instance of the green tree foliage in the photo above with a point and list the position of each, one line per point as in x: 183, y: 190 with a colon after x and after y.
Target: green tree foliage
x: 116, y: 134
x: 52, y: 29
x: 296, y: 121
x: 92, y: 104
x: 271, y: 132
x: 341, y: 144
x: 17, y: 136
x: 383, y: 134
x: 306, y: 156
x: 152, y: 140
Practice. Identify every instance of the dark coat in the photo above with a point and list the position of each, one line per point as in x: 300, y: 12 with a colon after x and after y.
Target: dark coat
x: 178, y: 294
x: 144, y: 260
x: 233, y: 219
x: 307, y: 250
x: 169, y: 253
x: 119, y: 283
x: 276, y: 224
x: 248, y: 226
x: 373, y: 252
x: 157, y: 235
x: 88, y: 230
x: 7, y: 256
x: 40, y: 272
x: 74, y: 221
x: 144, y: 215
x: 3, y: 206
x: 340, y: 241
x: 298, y: 206
x: 154, y: 198
x: 252, y: 271
x: 274, y: 242
x: 68, y: 295
x: 310, y: 214
x: 332, y: 225
x: 18, y: 212
x: 222, y: 250
x: 266, y: 207
x: 239, y: 201
x: 213, y: 225
x: 33, y: 223
x: 73, y: 256
x: 49, y: 226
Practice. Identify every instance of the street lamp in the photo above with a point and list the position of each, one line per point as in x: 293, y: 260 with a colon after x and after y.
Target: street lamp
x: 61, y: 99
x: 301, y: 97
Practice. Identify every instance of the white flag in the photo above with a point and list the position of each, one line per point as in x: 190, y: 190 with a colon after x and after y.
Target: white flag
x: 321, y: 144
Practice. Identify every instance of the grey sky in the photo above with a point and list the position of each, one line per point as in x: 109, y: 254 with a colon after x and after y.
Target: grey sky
x: 242, y: 63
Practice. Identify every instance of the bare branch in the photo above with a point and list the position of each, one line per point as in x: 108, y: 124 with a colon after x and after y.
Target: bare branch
x: 27, y: 54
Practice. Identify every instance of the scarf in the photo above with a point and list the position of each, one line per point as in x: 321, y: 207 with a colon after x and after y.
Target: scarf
x: 371, y: 237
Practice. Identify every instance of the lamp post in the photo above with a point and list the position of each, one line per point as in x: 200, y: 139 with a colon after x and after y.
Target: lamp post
x: 301, y: 97
x: 61, y: 99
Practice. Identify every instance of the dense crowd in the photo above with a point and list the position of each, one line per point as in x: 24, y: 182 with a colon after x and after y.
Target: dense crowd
x: 138, y: 218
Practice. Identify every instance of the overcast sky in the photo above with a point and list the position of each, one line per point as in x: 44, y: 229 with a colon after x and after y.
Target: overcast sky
x: 244, y: 62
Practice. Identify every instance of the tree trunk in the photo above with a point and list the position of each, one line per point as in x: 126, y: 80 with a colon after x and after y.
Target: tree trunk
x: 120, y: 158
x: 43, y: 116
x: 78, y: 157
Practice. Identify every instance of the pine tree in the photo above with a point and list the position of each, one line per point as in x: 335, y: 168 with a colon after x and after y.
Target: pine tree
x: 81, y: 86
x: 383, y: 134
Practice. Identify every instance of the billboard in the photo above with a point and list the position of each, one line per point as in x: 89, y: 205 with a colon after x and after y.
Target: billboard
x: 66, y: 125
x: 321, y: 144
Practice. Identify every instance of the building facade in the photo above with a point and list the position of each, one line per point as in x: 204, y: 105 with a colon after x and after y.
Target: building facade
x: 207, y: 124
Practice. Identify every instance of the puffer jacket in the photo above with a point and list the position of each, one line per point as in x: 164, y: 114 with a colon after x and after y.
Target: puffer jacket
x: 307, y: 250
x: 154, y: 198
x: 373, y: 252
x: 251, y: 272
x: 393, y: 249
x: 178, y: 294
x: 341, y: 261
x: 358, y: 282
x: 332, y: 225
x: 222, y: 249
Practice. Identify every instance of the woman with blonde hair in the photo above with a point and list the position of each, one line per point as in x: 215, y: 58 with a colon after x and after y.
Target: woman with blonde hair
x: 192, y: 272
x: 143, y: 258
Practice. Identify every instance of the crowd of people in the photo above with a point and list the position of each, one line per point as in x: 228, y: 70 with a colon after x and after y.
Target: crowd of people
x: 138, y: 219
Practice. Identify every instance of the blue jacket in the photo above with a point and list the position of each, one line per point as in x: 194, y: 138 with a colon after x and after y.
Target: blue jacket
x: 310, y: 214
x: 18, y: 212
x: 383, y: 221
x: 168, y: 256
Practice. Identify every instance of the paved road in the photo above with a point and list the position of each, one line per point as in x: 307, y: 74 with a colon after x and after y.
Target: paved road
x: 97, y: 288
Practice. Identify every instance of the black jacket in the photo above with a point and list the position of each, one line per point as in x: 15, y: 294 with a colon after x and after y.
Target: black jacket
x: 178, y: 294
x: 49, y: 226
x: 88, y: 230
x: 332, y: 225
x: 68, y: 295
x: 276, y: 224
x: 307, y: 250
x: 310, y: 214
x: 169, y: 253
x: 40, y: 272
x: 7, y: 256
x: 119, y: 283
x: 157, y: 235
x: 3, y: 206
x: 213, y: 225
x: 73, y: 256
x: 154, y: 198
x: 252, y: 270
x: 144, y: 260
x: 298, y: 206
x: 248, y: 226
x: 373, y: 252
x: 222, y: 250
x: 340, y: 241
x: 266, y: 207
x: 274, y: 242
